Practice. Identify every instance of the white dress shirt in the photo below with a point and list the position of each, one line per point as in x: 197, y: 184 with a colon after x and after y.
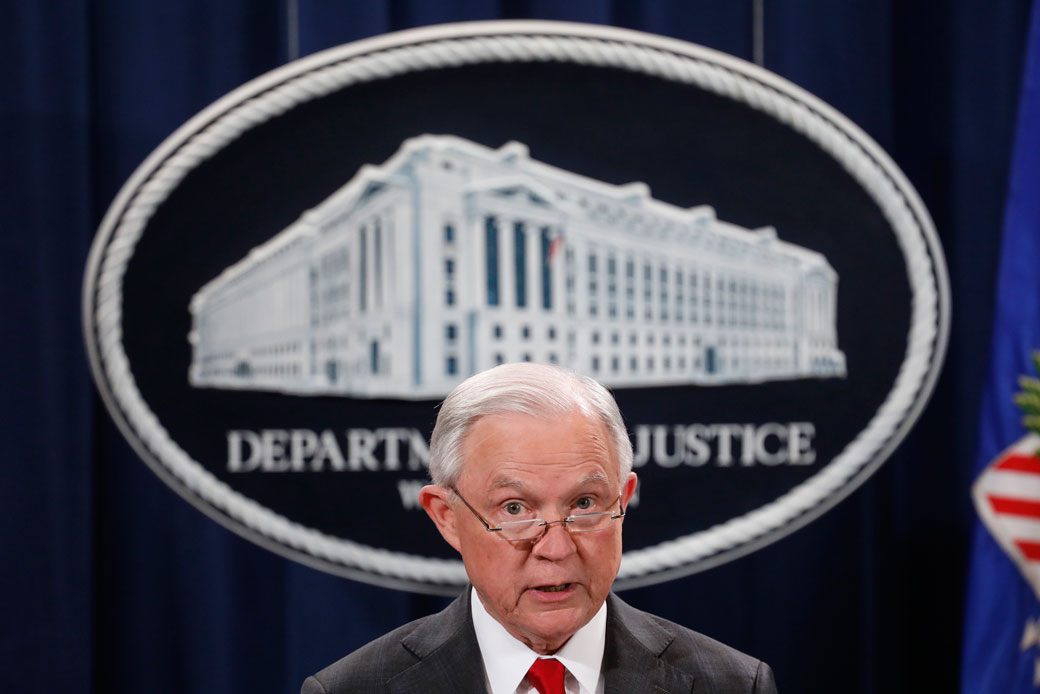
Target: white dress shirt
x: 507, y: 660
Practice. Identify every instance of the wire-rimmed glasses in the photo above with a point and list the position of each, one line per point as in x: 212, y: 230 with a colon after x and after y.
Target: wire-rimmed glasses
x: 534, y: 528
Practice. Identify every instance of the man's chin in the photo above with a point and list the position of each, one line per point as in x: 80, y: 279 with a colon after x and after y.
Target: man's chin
x: 549, y: 626
x: 546, y: 639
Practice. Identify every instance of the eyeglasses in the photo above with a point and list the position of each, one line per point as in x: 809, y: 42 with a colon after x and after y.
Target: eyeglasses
x: 534, y: 528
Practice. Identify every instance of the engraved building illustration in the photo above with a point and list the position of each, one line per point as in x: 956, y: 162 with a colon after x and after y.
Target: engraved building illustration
x: 452, y: 257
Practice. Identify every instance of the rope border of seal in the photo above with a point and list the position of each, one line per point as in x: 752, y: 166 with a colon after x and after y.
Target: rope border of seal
x: 614, y: 48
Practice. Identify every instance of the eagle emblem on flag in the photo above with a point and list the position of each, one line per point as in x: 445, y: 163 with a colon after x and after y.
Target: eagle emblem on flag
x: 1007, y: 499
x: 1007, y: 493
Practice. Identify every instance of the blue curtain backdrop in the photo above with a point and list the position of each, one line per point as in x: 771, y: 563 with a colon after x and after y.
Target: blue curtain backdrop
x: 111, y: 583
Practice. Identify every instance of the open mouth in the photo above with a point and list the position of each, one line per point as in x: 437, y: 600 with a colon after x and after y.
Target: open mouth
x: 553, y: 589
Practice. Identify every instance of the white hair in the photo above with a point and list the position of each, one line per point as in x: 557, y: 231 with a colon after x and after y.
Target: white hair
x: 537, y: 390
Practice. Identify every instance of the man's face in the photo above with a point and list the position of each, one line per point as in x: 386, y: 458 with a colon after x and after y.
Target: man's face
x: 518, y: 467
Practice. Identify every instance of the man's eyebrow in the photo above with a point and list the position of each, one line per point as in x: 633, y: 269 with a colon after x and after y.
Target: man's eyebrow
x: 594, y: 478
x: 500, y: 482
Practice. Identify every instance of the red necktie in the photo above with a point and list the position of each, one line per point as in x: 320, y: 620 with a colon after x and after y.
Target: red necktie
x: 547, y: 676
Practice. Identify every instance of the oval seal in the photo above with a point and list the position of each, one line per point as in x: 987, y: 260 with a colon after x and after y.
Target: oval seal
x: 284, y: 290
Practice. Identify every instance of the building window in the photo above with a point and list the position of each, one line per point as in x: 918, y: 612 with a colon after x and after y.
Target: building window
x: 491, y: 239
x: 630, y: 290
x: 569, y: 262
x: 450, y: 332
x: 525, y: 331
x: 547, y: 253
x: 663, y: 286
x: 707, y: 301
x: 363, y: 273
x: 377, y: 261
x: 449, y: 281
x: 593, y: 284
x: 497, y: 331
x: 520, y: 260
x: 693, y: 297
x: 679, y: 299
x: 552, y: 333
x: 451, y: 366
x: 720, y: 301
x: 648, y: 295
x: 449, y: 233
x: 499, y: 359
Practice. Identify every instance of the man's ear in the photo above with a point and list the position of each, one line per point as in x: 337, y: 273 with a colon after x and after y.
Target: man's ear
x: 436, y: 502
x: 628, y: 489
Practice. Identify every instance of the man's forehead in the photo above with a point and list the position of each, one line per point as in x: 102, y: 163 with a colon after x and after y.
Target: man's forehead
x: 589, y: 478
x: 511, y: 449
x: 495, y: 423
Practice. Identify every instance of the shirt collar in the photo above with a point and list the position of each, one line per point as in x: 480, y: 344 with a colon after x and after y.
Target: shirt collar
x: 507, y: 660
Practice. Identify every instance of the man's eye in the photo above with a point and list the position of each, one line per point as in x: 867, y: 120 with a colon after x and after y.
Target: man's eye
x: 514, y: 508
x: 584, y: 503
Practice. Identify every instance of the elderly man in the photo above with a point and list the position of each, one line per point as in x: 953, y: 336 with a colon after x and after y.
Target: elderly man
x: 532, y: 474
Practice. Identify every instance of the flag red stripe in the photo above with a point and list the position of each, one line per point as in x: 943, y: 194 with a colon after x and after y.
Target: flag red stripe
x: 1015, y: 507
x: 1030, y: 549
x: 1020, y: 463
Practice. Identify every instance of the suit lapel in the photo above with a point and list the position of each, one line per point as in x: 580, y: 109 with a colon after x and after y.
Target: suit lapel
x: 450, y: 662
x: 449, y: 656
x: 631, y: 661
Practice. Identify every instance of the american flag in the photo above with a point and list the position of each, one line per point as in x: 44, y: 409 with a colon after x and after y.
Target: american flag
x: 1007, y: 498
x: 1001, y: 652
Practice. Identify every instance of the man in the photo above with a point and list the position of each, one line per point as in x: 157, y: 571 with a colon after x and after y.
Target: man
x: 532, y: 475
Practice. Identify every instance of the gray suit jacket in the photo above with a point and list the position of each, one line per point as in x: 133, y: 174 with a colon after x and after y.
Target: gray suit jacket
x: 643, y: 653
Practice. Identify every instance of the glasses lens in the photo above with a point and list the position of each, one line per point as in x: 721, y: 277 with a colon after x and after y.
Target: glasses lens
x: 521, y: 530
x: 588, y: 522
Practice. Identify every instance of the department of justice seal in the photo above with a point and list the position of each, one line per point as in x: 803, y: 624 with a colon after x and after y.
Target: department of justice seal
x: 284, y: 290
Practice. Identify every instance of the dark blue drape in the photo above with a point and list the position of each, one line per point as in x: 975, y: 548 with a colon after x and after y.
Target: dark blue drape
x: 111, y: 583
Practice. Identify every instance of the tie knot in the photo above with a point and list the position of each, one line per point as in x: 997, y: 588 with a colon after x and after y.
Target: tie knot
x: 546, y: 674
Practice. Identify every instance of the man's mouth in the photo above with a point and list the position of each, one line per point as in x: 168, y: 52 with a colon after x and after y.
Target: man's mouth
x: 553, y: 589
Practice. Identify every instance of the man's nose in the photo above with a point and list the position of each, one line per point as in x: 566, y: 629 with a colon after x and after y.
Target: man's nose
x: 555, y: 543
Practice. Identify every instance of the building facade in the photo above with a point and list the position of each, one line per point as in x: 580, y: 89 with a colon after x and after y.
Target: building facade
x: 452, y: 257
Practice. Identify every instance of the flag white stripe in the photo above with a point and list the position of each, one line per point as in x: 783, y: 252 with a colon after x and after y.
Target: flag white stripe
x: 1018, y: 527
x: 1018, y: 485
